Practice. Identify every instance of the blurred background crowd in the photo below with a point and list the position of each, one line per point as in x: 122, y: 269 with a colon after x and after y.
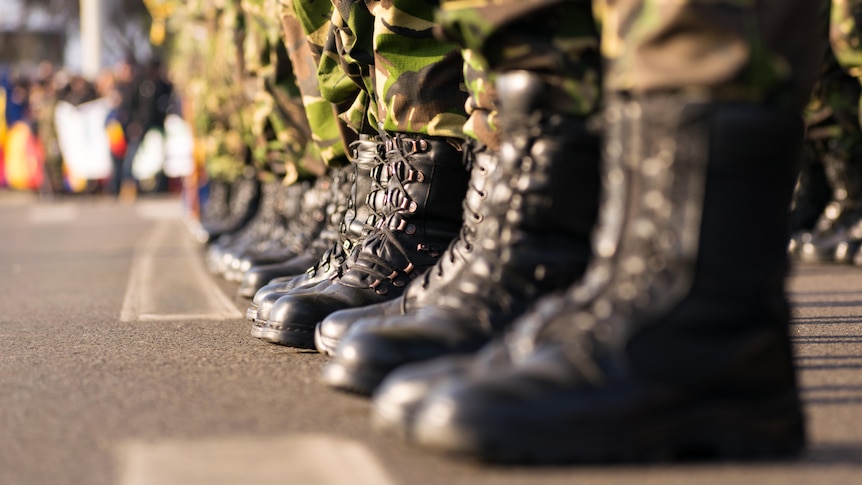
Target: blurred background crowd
x: 185, y: 96
x: 45, y: 110
x: 76, y: 113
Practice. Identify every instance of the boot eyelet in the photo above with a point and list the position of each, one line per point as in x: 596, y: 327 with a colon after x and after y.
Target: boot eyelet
x: 410, y: 229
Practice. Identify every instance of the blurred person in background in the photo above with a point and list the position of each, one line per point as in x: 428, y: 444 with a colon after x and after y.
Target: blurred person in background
x: 144, y: 98
x: 43, y: 101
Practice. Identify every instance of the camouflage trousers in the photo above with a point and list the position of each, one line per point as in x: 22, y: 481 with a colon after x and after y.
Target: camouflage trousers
x: 735, y: 50
x: 305, y: 29
x: 833, y: 142
x: 280, y: 130
x: 401, y: 78
x: 845, y: 35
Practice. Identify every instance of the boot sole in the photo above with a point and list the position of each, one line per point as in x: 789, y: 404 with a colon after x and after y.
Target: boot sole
x: 251, y: 312
x: 289, y: 336
x: 324, y: 345
x: 712, y: 431
x: 352, y: 380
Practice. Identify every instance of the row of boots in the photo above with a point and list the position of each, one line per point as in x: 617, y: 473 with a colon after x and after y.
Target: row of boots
x: 590, y: 291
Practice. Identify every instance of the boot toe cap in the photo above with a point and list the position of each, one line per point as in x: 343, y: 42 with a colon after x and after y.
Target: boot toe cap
x: 396, y: 400
x: 333, y: 328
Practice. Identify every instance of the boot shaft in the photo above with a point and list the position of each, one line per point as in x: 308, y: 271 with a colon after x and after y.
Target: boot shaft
x: 542, y: 201
x: 484, y: 165
x: 216, y: 207
x: 552, y: 160
x: 690, y: 248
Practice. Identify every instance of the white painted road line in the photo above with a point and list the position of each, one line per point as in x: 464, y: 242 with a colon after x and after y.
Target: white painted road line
x: 53, y: 214
x: 312, y: 459
x: 168, y: 281
x: 159, y: 209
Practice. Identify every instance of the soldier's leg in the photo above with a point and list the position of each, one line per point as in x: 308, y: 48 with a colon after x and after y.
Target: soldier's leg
x: 675, y: 342
x: 226, y: 137
x: 413, y: 102
x: 845, y: 35
x: 276, y: 132
x: 548, y: 167
x: 284, y: 147
x: 483, y: 146
x: 306, y: 28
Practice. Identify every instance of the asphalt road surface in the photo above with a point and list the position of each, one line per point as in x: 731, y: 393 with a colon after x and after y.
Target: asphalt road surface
x: 122, y: 361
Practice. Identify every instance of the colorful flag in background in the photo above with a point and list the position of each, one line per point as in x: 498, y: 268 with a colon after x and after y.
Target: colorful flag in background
x: 2, y: 135
x: 24, y: 166
x: 84, y: 144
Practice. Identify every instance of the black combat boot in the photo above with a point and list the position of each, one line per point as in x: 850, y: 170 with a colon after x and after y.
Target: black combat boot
x: 220, y: 251
x: 423, y: 290
x: 837, y: 235
x: 263, y: 240
x: 213, y: 209
x: 422, y: 209
x: 266, y: 232
x: 243, y: 201
x: 535, y: 239
x: 368, y: 176
x: 299, y: 217
x: 675, y: 343
x: 810, y: 199
x: 263, y: 266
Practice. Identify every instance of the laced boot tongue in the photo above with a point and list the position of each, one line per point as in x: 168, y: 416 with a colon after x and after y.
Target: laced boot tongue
x: 363, y: 176
x: 424, y: 177
x: 369, y: 180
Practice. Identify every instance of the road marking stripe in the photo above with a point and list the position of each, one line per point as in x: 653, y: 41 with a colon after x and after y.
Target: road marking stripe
x: 159, y: 209
x: 53, y: 214
x: 304, y: 458
x: 166, y: 267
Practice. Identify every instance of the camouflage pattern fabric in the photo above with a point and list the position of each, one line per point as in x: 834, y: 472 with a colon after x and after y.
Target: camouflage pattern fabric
x: 481, y: 122
x: 306, y: 27
x: 230, y: 63
x: 833, y: 138
x: 418, y: 80
x: 558, y: 39
x: 281, y: 131
x: 844, y: 35
x: 723, y: 50
x: 200, y: 32
x: 346, y: 65
x: 719, y: 49
x: 838, y: 95
x: 832, y: 115
x: 229, y: 99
